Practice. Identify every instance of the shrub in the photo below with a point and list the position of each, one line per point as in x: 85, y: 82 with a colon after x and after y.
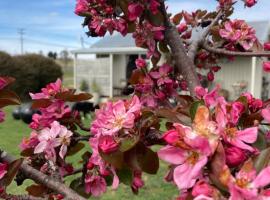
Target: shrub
x: 32, y: 72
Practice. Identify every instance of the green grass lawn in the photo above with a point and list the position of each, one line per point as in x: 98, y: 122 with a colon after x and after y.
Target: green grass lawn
x: 12, y: 132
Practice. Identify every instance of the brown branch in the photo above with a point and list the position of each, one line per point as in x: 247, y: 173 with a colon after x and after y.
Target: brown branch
x: 235, y: 53
x: 19, y: 197
x: 43, y: 179
x: 184, y: 65
x: 199, y: 41
x: 76, y: 171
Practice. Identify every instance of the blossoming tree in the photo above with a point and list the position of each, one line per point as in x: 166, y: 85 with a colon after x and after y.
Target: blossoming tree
x: 215, y: 149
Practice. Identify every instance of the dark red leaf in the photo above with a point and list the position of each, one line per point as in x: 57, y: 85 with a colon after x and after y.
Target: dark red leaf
x: 8, y: 97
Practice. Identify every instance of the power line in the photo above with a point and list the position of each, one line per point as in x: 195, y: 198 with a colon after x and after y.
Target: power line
x: 21, y: 33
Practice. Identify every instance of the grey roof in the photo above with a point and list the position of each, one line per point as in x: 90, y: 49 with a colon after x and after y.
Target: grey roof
x: 262, y: 29
x: 127, y: 43
x: 115, y: 41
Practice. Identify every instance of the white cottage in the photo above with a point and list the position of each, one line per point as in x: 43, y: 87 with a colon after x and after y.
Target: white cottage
x: 109, y: 63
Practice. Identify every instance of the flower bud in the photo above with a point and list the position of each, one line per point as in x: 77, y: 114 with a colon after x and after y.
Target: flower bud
x: 171, y: 137
x: 202, y: 188
x: 266, y: 46
x: 182, y: 27
x: 107, y: 144
x: 140, y: 63
x: 266, y: 66
x: 234, y: 156
x: 250, y: 3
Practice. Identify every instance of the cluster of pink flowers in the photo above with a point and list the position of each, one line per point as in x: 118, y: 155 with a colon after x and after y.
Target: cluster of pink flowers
x: 55, y: 110
x: 147, y: 35
x: 113, y: 121
x: 238, y: 32
x: 228, y: 3
x: 189, y: 149
x: 47, y: 140
x: 103, y: 19
x: 114, y: 117
x: 155, y: 85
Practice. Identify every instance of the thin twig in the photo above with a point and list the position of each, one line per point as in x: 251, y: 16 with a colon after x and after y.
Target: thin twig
x: 198, y: 42
x: 235, y: 53
x: 43, y: 179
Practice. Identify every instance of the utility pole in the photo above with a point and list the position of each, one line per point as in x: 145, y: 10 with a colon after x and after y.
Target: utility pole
x: 21, y: 33
x: 82, y: 42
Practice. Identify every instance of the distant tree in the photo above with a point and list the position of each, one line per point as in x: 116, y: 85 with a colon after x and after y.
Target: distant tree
x: 52, y: 55
x: 31, y: 71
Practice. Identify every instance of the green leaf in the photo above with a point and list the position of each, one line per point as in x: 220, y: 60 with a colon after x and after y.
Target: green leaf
x: 125, y: 176
x: 128, y: 143
x: 115, y: 158
x: 142, y: 158
x: 193, y: 108
x: 78, y: 186
x: 75, y: 149
x: 262, y: 160
x: 260, y: 142
x: 147, y: 159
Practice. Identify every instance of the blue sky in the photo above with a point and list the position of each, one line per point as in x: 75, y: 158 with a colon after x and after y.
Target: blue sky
x: 52, y: 24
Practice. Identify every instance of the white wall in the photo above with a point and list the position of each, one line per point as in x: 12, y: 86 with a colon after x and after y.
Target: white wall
x: 119, y: 69
x: 239, y: 70
x: 94, y: 70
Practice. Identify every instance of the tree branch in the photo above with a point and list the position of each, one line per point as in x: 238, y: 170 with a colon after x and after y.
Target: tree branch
x: 199, y: 41
x: 43, y: 179
x: 184, y: 65
x: 235, y: 53
x: 19, y: 197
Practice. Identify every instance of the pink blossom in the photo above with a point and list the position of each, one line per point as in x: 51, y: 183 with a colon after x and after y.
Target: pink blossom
x: 246, y: 184
x: 210, y: 98
x: 98, y: 26
x: 250, y: 3
x: 82, y: 6
x: 238, y: 32
x: 3, y: 83
x: 210, y: 76
x: 182, y: 27
x: 64, y: 138
x: 241, y: 138
x: 202, y: 188
x: 29, y: 143
x: 134, y: 11
x: 266, y: 46
x: 49, y: 91
x: 95, y: 185
x: 140, y: 63
x: 2, y: 116
x: 112, y: 117
x: 154, y: 5
x: 162, y: 75
x: 107, y: 144
x: 48, y: 140
x: 266, y: 114
x: 3, y: 169
x: 137, y: 181
x: 266, y: 66
x: 188, y: 163
x: 188, y: 154
x: 234, y: 156
x: 171, y: 137
x: 200, y: 92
